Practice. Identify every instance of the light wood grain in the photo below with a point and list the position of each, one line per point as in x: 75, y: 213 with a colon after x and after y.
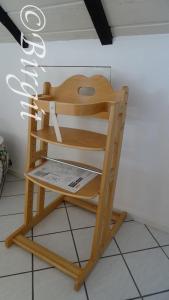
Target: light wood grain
x: 90, y: 206
x: 88, y: 192
x: 75, y: 138
x: 50, y: 257
x: 104, y: 103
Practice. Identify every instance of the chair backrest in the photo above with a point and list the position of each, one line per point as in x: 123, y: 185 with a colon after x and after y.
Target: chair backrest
x: 81, y: 95
x: 72, y: 90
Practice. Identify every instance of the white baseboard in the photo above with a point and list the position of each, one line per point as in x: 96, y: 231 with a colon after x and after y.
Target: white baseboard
x: 16, y: 173
x: 151, y: 223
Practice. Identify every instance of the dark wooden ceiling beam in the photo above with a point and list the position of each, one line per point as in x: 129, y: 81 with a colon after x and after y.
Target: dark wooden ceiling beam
x: 12, y: 28
x: 98, y: 16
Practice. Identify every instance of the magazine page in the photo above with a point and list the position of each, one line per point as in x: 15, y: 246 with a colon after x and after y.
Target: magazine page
x: 64, y: 176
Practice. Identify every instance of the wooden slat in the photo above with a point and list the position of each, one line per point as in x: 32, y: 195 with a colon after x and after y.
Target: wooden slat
x: 40, y: 200
x: 50, y: 257
x: 105, y: 183
x: 28, y: 203
x: 115, y: 162
x: 43, y: 149
x: 90, y: 190
x: 75, y: 138
x: 72, y: 109
x: 89, y: 206
x: 39, y: 154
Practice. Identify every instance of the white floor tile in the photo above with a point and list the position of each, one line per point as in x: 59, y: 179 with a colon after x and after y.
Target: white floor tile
x: 80, y: 218
x: 166, y: 249
x: 161, y: 236
x: 52, y: 284
x: 134, y: 236
x: 83, y: 240
x: 150, y: 269
x: 110, y: 279
x: 18, y: 287
x: 55, y: 222
x: 163, y: 296
x: 12, y: 205
x: 13, y: 188
x: 51, y: 196
x: 8, y: 224
x: 61, y: 243
x: 15, y: 204
x: 14, y: 260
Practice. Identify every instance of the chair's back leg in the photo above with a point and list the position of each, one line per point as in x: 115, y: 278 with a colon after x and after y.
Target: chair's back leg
x: 31, y: 154
x: 105, y: 183
x: 115, y: 166
x: 109, y: 177
x: 43, y: 149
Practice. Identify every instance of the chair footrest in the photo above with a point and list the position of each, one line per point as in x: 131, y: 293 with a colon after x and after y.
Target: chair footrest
x: 50, y: 257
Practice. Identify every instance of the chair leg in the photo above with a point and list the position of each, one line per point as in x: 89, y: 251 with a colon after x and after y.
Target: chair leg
x: 40, y: 200
x: 29, y: 187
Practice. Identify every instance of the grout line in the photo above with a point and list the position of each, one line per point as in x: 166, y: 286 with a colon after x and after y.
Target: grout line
x: 87, y: 296
x: 15, y: 274
x: 135, y: 298
x: 157, y: 293
x: 164, y: 250
x: 22, y: 194
x: 81, y: 228
x: 21, y: 213
x: 156, y: 241
x: 67, y: 230
x: 6, y: 215
x: 15, y: 180
x: 43, y: 269
x: 86, y: 291
x: 123, y: 253
x: 51, y: 233
x: 13, y: 195
x: 128, y: 269
x: 140, y: 250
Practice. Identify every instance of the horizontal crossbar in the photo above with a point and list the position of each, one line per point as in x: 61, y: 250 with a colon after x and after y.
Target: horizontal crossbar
x: 90, y: 206
x: 50, y: 257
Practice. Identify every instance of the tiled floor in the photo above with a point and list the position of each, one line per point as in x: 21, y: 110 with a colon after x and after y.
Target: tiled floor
x: 135, y: 265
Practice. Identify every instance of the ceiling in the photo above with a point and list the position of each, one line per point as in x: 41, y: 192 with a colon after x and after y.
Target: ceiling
x: 68, y: 19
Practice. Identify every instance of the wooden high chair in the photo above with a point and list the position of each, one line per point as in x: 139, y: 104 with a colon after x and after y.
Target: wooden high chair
x: 104, y: 103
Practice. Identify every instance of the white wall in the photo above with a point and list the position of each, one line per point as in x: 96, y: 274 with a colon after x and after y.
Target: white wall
x: 140, y: 62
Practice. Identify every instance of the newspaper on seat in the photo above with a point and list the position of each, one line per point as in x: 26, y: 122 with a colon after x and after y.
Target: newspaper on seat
x: 67, y: 177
